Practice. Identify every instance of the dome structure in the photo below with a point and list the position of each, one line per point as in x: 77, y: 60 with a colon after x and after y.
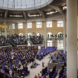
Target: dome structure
x: 22, y: 10
x: 23, y: 4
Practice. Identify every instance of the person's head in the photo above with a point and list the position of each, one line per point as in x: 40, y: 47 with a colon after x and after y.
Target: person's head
x: 38, y: 74
x: 35, y: 76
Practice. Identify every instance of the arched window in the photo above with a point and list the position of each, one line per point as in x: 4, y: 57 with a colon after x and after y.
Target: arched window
x: 38, y: 34
x: 29, y: 34
x: 49, y: 35
x: 60, y: 35
x: 20, y: 34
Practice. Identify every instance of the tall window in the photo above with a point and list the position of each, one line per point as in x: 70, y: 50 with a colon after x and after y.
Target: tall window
x: 59, y: 23
x: 49, y: 43
x: 38, y: 24
x: 49, y: 24
x: 13, y: 26
x: 20, y: 25
x: 60, y: 44
x: 29, y: 25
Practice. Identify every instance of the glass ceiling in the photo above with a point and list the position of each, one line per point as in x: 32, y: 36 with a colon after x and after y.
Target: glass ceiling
x: 23, y: 4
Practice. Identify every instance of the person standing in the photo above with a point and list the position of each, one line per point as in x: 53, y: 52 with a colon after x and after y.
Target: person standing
x: 42, y: 64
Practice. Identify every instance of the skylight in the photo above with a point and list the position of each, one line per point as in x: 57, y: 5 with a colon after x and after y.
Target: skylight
x: 23, y: 4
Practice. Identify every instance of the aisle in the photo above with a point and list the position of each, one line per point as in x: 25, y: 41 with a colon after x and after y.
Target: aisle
x: 37, y: 70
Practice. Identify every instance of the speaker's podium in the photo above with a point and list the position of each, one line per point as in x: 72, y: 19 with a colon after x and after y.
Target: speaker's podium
x: 56, y: 63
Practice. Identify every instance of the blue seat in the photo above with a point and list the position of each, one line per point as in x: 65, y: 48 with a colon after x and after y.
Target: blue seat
x: 44, y: 51
x: 55, y: 73
x: 63, y: 76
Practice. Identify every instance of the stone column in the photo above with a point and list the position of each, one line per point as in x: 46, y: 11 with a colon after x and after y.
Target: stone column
x: 71, y: 38
x: 45, y: 31
x: 26, y: 28
x: 5, y: 29
x: 16, y: 28
x: 64, y: 33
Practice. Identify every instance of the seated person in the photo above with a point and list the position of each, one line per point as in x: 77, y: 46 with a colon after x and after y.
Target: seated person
x: 2, y: 75
x: 61, y: 72
x: 10, y: 72
x: 44, y: 71
x: 25, y: 69
x: 33, y: 63
x: 6, y: 69
x: 20, y: 70
x: 52, y: 72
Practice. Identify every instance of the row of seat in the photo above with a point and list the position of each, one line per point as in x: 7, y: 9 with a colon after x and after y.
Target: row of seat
x: 55, y: 71
x: 16, y: 60
x: 24, y: 72
x: 44, y: 51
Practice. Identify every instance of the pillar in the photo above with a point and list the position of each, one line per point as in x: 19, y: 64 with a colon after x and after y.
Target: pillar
x: 26, y: 28
x: 71, y: 38
x: 64, y: 29
x: 16, y: 28
x: 45, y: 34
x: 77, y: 42
x: 5, y: 30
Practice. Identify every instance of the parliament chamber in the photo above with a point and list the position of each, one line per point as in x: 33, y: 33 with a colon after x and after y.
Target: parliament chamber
x: 38, y: 39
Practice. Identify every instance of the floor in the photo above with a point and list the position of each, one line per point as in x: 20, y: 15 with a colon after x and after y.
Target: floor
x: 37, y: 70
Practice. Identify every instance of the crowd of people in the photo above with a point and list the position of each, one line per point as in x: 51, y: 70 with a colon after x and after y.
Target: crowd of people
x: 18, y: 40
x: 55, y: 36
x: 3, y: 41
x: 14, y: 61
x: 36, y: 39
x: 54, y: 71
